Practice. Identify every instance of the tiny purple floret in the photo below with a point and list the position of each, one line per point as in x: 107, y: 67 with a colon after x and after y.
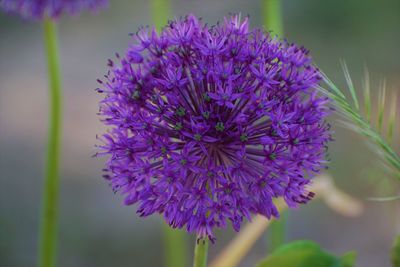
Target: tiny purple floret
x: 39, y: 9
x: 209, y: 125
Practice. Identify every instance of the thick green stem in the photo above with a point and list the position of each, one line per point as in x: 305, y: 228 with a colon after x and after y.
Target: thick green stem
x: 160, y: 12
x: 277, y: 232
x: 273, y: 16
x: 273, y: 21
x: 175, y: 247
x: 174, y: 240
x: 48, y: 224
x: 200, y: 253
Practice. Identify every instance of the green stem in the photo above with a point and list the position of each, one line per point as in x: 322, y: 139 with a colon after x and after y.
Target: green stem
x: 48, y: 224
x: 160, y: 12
x: 175, y: 247
x: 273, y: 21
x: 273, y: 16
x: 174, y: 240
x: 277, y: 232
x: 200, y: 253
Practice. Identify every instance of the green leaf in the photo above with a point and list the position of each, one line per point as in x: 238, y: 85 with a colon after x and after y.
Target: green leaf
x: 305, y: 254
x: 396, y: 252
x: 348, y: 259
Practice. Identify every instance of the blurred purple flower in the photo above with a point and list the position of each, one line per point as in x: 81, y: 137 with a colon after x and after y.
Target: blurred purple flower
x: 210, y: 124
x: 39, y: 9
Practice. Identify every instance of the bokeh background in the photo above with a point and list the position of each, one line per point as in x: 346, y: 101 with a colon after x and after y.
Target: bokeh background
x: 95, y: 228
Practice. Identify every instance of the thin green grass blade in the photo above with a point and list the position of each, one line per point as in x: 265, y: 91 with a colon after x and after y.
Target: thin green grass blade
x: 332, y: 86
x: 381, y: 105
x: 367, y: 95
x: 392, y: 119
x: 362, y: 124
x: 350, y: 84
x: 383, y: 199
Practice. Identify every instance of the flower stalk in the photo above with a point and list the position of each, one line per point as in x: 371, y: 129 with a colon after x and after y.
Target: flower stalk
x: 200, y: 253
x: 277, y: 231
x: 273, y: 21
x: 175, y: 247
x: 273, y: 16
x: 160, y: 11
x: 48, y: 224
x: 174, y: 240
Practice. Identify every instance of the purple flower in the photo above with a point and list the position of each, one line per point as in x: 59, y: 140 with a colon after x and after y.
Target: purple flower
x: 39, y: 9
x: 210, y: 124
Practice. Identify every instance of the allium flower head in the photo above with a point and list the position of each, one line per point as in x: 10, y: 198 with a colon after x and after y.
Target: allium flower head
x: 39, y: 9
x: 210, y: 124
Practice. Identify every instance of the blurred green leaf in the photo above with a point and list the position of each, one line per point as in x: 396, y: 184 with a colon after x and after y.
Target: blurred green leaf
x: 348, y: 259
x: 305, y: 254
x: 396, y: 252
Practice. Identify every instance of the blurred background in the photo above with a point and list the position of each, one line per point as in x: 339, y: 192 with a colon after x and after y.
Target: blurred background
x: 95, y: 228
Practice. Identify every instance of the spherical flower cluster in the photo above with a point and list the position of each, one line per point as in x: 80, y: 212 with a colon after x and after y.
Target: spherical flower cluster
x: 39, y: 9
x: 211, y: 124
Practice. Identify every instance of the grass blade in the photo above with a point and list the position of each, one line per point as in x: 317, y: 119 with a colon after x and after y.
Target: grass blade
x: 367, y: 95
x: 381, y: 104
x: 350, y: 84
x: 356, y: 121
x: 392, y: 119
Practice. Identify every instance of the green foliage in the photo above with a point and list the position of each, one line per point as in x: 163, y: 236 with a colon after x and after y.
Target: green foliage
x: 362, y: 122
x: 305, y: 254
x: 348, y: 259
x: 396, y: 252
